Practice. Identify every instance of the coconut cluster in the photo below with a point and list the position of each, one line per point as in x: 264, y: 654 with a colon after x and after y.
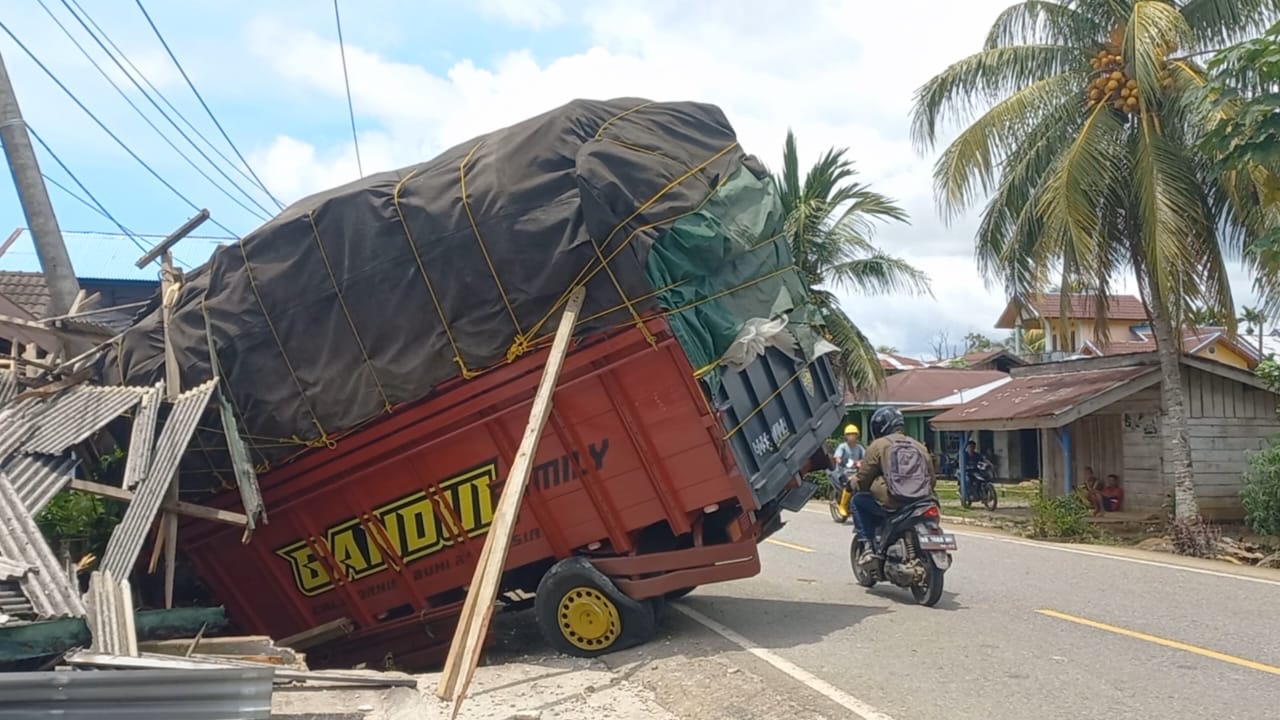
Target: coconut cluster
x: 1112, y: 84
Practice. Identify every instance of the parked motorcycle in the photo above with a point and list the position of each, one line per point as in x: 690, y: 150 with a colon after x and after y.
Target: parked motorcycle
x: 916, y: 552
x: 981, y: 486
x: 842, y: 492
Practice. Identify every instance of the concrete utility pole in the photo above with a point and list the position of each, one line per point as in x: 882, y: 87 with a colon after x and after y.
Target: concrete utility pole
x: 58, y: 273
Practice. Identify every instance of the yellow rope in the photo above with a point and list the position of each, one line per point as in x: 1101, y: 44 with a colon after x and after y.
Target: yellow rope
x: 644, y: 330
x: 588, y: 272
x: 342, y: 302
x: 467, y: 373
x: 766, y: 401
x: 605, y: 125
x: 271, y: 326
x: 519, y: 344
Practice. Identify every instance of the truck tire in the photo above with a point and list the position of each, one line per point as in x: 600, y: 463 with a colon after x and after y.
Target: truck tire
x: 581, y: 613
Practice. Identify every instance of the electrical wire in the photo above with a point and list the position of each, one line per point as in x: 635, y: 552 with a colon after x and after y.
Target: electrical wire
x: 108, y: 233
x: 102, y: 125
x: 80, y: 12
x: 93, y: 203
x: 351, y: 112
x: 261, y: 213
x: 203, y: 104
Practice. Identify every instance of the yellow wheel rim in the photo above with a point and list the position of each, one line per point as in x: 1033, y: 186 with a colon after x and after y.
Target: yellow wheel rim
x: 588, y: 619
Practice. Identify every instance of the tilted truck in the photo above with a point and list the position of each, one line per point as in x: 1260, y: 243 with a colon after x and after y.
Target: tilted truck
x: 379, y: 345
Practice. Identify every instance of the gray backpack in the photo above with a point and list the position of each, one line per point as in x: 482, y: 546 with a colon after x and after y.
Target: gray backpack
x: 907, y: 471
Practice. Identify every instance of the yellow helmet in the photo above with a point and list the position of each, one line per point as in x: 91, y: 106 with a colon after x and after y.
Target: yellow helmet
x: 851, y: 429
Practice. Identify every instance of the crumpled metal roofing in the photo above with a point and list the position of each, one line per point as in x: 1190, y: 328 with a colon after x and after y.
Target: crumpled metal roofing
x: 10, y: 569
x: 109, y: 604
x: 8, y: 385
x: 76, y: 413
x: 46, y: 586
x: 243, y: 693
x: 37, y: 478
x: 126, y: 542
x: 143, y: 436
x: 13, y: 602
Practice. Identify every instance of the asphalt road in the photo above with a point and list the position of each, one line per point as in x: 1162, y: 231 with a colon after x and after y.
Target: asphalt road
x: 1023, y: 631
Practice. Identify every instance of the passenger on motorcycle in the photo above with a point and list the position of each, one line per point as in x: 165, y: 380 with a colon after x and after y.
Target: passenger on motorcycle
x: 847, y: 456
x: 873, y: 501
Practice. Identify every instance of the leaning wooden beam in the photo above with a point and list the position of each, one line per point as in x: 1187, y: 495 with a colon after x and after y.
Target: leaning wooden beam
x: 319, y: 635
x: 468, y: 640
x: 201, y: 512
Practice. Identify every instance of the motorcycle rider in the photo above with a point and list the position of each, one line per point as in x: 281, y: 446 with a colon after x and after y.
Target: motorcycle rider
x: 872, y: 501
x: 847, y: 456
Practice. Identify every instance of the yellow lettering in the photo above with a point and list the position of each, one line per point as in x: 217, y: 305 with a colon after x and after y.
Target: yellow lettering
x: 413, y: 527
x: 308, y: 572
x: 354, y: 551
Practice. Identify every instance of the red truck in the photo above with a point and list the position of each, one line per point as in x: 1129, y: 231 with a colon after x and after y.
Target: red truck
x: 645, y: 486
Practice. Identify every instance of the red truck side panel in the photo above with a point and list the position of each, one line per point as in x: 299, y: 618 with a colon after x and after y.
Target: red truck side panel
x: 391, y: 522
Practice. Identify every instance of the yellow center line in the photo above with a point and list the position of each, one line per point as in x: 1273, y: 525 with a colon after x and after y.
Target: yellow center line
x: 1204, y: 652
x: 788, y: 545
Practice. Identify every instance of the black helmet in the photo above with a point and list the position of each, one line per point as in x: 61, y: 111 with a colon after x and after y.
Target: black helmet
x: 885, y: 420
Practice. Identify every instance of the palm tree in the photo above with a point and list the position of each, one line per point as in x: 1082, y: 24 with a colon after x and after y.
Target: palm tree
x: 830, y: 219
x: 1253, y: 319
x: 1084, y: 118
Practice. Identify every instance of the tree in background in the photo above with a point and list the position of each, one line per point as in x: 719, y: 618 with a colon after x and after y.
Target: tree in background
x: 1253, y: 319
x: 887, y: 349
x: 943, y: 348
x: 977, y: 342
x: 1085, y: 120
x: 830, y: 220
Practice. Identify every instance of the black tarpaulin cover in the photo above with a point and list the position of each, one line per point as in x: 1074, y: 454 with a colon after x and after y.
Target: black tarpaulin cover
x: 366, y: 296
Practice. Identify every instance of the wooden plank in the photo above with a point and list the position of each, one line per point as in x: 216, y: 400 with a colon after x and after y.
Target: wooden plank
x: 180, y: 507
x: 483, y: 591
x: 1237, y: 400
x: 319, y: 634
x: 1193, y: 387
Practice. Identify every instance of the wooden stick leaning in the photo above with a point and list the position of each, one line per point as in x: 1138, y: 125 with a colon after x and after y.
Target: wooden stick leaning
x: 468, y: 639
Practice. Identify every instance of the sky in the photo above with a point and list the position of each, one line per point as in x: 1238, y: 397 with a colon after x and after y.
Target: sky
x: 427, y: 75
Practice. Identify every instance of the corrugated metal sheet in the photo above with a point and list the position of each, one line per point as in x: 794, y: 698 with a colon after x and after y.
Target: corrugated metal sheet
x: 8, y: 385
x: 77, y: 413
x: 246, y: 476
x: 48, y: 589
x: 109, y: 604
x: 1040, y: 397
x: 143, y: 436
x: 126, y: 541
x: 15, y: 427
x: 208, y: 694
x: 37, y: 478
x: 10, y: 569
x: 13, y: 602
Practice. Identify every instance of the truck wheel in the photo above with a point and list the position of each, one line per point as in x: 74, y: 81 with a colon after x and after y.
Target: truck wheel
x: 581, y: 613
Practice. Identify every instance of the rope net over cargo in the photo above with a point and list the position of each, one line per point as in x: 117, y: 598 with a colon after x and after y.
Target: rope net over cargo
x: 359, y: 299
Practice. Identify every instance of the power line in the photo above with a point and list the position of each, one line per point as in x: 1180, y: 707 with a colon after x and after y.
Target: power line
x: 262, y: 213
x: 203, y: 104
x: 102, y: 125
x: 342, y: 49
x: 108, y: 233
x: 79, y: 12
x: 95, y: 205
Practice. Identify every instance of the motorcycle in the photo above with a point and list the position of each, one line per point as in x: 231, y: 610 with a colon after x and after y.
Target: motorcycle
x: 841, y: 484
x: 980, y: 486
x: 916, y: 552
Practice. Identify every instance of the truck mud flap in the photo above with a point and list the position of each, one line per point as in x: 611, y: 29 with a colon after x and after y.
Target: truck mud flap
x: 798, y: 497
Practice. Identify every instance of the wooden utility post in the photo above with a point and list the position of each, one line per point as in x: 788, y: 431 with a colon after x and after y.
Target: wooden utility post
x: 170, y: 286
x: 34, y: 198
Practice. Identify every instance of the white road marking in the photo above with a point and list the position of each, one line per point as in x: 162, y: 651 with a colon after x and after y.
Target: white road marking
x: 1108, y: 556
x: 795, y: 672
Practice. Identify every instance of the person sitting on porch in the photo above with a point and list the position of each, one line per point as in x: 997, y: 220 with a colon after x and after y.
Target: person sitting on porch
x: 1112, y: 494
x: 1091, y: 491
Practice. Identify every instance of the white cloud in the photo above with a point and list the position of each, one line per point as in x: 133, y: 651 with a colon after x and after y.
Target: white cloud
x: 529, y: 13
x: 837, y: 73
